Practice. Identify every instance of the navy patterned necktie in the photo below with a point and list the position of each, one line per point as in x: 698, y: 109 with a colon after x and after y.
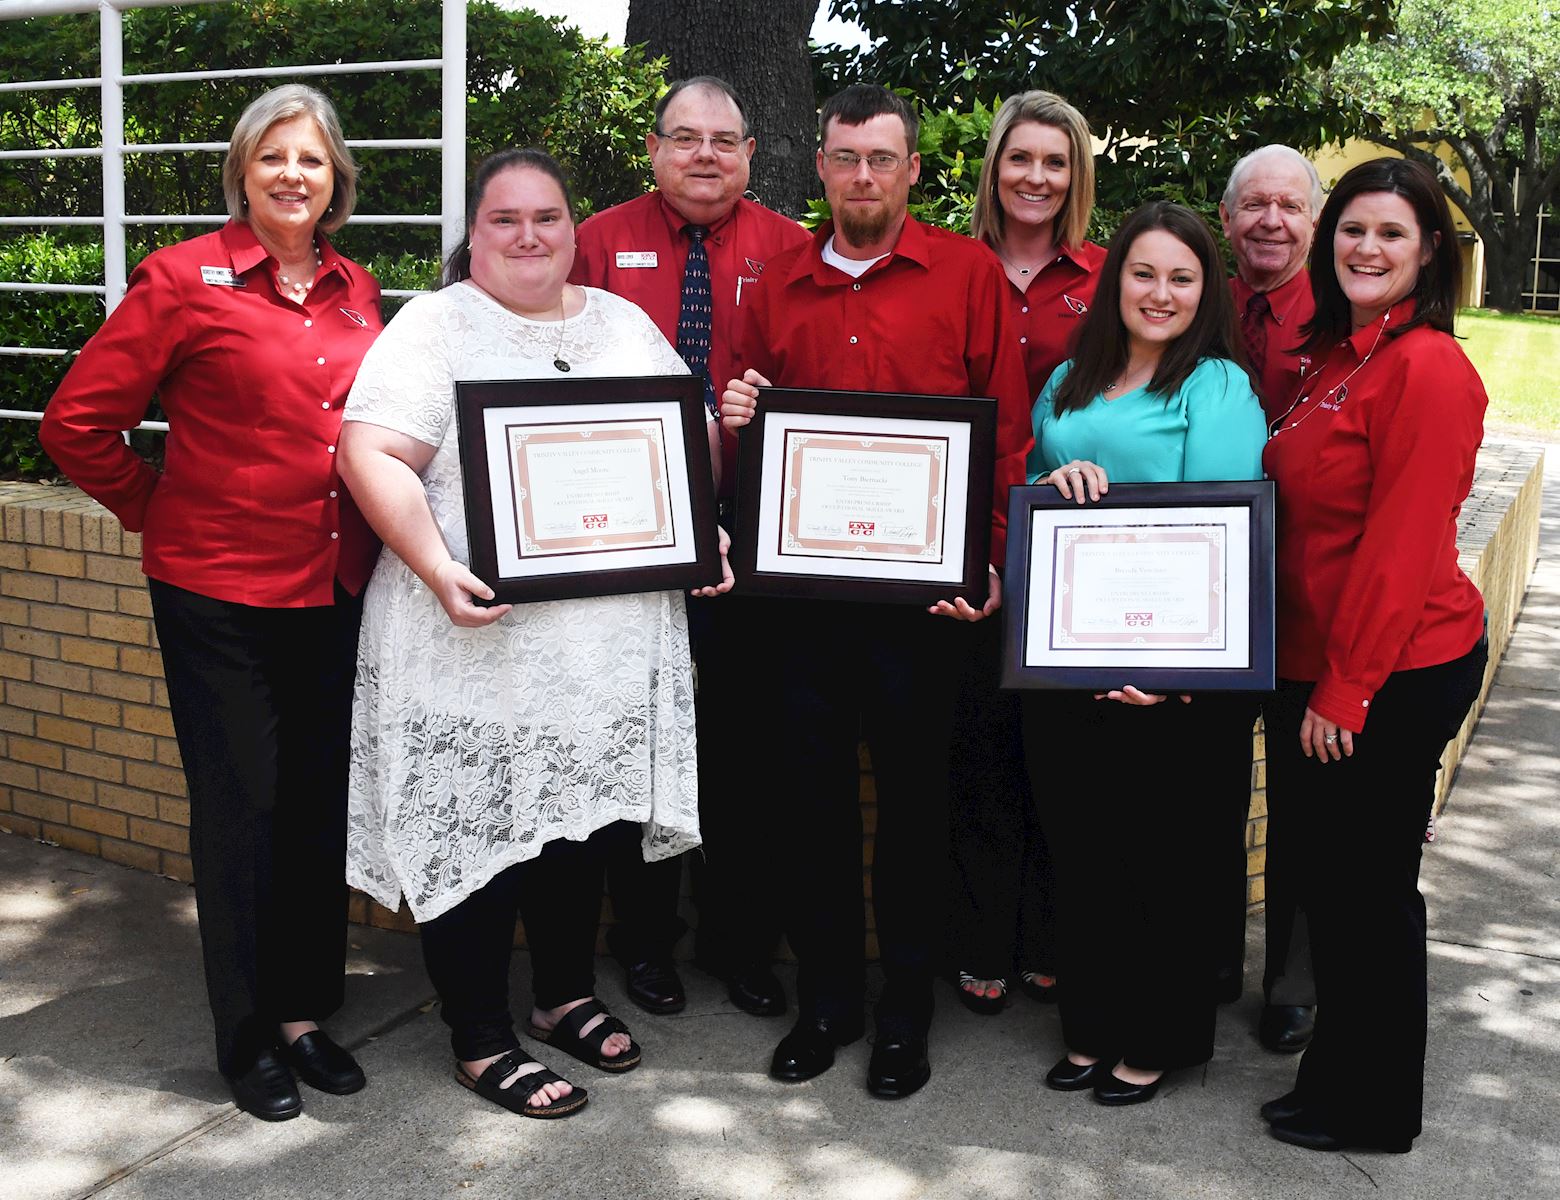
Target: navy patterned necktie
x: 693, y: 318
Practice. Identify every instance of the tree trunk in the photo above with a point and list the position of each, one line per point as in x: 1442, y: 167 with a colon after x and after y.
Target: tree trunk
x: 760, y: 48
x: 1505, y: 275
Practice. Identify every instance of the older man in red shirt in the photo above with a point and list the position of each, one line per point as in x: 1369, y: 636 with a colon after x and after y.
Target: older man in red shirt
x: 1269, y: 212
x: 684, y: 253
x: 875, y: 301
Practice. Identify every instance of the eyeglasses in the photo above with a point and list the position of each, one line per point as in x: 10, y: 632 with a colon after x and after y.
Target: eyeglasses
x: 689, y: 143
x: 849, y: 160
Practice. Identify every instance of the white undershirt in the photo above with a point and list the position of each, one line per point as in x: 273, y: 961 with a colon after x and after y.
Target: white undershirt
x: 854, y: 267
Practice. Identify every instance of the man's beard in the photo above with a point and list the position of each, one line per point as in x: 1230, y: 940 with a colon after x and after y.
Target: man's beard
x: 862, y: 229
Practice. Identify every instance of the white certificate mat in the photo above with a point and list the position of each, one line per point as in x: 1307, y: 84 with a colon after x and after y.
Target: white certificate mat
x: 564, y: 487
x: 873, y: 491
x: 1139, y: 587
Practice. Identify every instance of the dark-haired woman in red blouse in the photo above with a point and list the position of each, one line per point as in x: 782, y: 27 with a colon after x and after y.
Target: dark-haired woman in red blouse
x: 1381, y: 647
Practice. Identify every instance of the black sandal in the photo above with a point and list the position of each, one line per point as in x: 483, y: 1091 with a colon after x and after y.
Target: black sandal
x: 517, y: 1096
x: 1030, y: 984
x: 979, y: 1002
x: 566, y: 1036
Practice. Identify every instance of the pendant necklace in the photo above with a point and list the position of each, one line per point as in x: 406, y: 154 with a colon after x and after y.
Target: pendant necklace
x: 300, y: 290
x: 1339, y: 389
x: 559, y: 361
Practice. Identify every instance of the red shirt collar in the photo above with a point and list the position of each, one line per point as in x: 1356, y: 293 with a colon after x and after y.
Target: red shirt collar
x: 676, y: 222
x: 912, y: 245
x: 1363, y: 340
x: 1282, y: 299
x: 245, y: 251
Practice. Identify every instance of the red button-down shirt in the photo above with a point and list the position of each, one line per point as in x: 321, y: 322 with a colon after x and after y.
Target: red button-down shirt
x: 1371, y: 470
x: 248, y: 507
x: 1047, y: 314
x: 931, y: 318
x: 638, y: 250
x: 1290, y: 307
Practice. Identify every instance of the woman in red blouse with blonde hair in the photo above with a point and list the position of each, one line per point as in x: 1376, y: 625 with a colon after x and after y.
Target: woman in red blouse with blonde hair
x: 256, y: 559
x: 1381, y: 646
x: 1032, y: 208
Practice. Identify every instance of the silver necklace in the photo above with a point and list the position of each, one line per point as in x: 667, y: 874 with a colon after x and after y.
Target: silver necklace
x: 1024, y: 270
x: 1339, y: 389
x: 563, y: 317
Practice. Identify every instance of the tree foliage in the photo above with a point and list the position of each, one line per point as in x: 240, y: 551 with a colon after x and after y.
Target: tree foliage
x: 1475, y: 85
x: 1176, y: 88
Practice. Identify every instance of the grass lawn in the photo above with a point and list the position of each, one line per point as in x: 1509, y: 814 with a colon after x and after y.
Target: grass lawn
x: 1518, y: 357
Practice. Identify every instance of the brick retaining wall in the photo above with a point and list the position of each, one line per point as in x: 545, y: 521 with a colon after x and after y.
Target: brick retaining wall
x: 87, y: 754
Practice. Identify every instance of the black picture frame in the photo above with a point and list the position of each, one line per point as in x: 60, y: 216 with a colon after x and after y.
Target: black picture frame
x: 1043, y: 507
x: 755, y: 551
x: 675, y: 403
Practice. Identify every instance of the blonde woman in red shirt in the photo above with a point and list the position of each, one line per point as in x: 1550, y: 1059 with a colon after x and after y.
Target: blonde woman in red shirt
x: 256, y: 559
x: 1381, y: 646
x: 1033, y: 207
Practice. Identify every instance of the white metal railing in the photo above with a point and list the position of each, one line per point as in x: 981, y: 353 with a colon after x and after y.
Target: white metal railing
x: 112, y: 81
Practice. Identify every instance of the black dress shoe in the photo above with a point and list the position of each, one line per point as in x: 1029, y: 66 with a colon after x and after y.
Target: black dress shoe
x: 655, y: 987
x: 1310, y: 1132
x: 323, y: 1065
x: 267, y: 1090
x: 1109, y: 1089
x: 1068, y: 1076
x: 755, y: 990
x: 1286, y: 1028
x: 808, y: 1050
x: 1286, y: 1106
x: 898, y: 1066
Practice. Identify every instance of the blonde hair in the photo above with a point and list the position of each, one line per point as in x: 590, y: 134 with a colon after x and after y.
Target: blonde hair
x: 988, y: 221
x: 284, y: 104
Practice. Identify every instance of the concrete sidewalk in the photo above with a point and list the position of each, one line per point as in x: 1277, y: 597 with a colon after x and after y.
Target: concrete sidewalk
x: 106, y: 1086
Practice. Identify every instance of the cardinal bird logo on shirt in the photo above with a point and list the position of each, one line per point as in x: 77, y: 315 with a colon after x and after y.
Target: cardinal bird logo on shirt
x: 756, y: 267
x: 1078, y: 306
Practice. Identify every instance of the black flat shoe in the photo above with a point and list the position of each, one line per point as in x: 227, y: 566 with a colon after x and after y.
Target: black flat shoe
x: 1286, y: 1106
x: 1109, y: 1089
x: 808, y: 1050
x: 1068, y: 1076
x: 898, y: 1067
x: 1310, y: 1133
x: 755, y: 990
x: 1286, y: 1028
x: 267, y: 1090
x: 323, y: 1065
x: 655, y: 987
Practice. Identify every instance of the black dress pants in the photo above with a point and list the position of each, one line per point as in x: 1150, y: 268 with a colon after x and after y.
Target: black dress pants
x: 888, y: 673
x: 735, y: 885
x: 1357, y: 827
x: 262, y: 705
x: 1001, y: 918
x: 1128, y: 796
x: 467, y: 950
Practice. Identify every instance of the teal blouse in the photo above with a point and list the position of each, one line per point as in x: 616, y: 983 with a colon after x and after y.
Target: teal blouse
x: 1211, y: 427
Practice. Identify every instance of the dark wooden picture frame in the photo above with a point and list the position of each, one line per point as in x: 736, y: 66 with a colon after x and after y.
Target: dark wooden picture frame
x: 595, y: 576
x: 1257, y: 497
x: 754, y: 489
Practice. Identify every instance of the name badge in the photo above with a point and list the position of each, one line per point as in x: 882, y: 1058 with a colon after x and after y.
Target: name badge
x: 221, y: 277
x: 636, y: 258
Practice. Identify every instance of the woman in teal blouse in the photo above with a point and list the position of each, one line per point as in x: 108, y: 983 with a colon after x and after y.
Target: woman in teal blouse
x: 1157, y: 392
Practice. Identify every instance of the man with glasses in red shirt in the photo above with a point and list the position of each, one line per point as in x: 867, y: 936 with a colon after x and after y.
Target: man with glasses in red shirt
x: 684, y: 253
x: 875, y: 301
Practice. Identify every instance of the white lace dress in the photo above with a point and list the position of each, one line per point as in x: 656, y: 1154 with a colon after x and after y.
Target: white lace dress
x: 473, y: 748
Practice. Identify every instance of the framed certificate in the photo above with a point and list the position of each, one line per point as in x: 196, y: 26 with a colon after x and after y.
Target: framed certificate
x: 865, y: 496
x: 587, y: 487
x: 1168, y: 587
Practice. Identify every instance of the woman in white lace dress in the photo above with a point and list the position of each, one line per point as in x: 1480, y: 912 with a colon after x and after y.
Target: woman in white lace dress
x: 489, y: 745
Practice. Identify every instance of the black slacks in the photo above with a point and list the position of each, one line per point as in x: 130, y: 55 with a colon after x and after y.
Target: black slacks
x: 1356, y: 827
x: 467, y: 950
x: 262, y: 706
x: 1129, y: 799
x: 735, y: 884
x: 840, y: 672
x: 1001, y: 917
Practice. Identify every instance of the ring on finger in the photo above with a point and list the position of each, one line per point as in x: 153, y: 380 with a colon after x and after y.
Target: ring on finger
x: 1330, y: 738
